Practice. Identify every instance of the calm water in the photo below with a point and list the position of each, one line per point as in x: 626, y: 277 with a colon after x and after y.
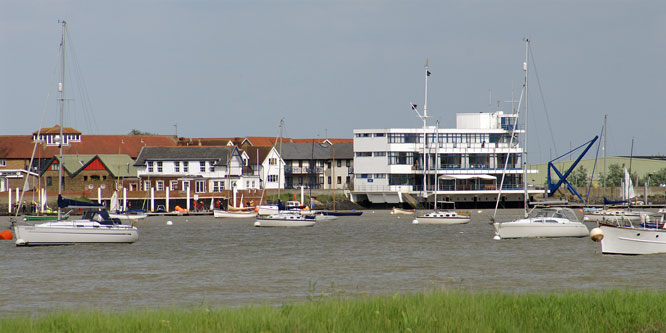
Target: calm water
x: 219, y: 262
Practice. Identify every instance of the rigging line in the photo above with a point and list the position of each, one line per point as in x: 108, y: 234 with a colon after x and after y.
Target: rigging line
x: 543, y: 99
x: 39, y: 132
x: 85, y: 102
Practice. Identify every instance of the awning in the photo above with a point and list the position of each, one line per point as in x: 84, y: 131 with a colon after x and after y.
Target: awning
x: 461, y: 177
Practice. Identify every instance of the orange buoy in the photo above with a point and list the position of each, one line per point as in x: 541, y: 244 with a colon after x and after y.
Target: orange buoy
x: 6, y: 235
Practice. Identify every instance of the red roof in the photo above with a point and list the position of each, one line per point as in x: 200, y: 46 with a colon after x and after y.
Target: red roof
x: 56, y: 130
x: 21, y: 146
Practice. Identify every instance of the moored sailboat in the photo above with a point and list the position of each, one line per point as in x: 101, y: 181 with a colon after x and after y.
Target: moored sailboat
x: 542, y: 221
x: 96, y: 226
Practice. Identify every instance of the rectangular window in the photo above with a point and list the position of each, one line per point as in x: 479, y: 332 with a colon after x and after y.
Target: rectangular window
x: 146, y: 185
x: 202, y: 166
x: 339, y: 163
x: 174, y: 185
x: 339, y: 180
x: 329, y: 180
x: 3, y: 163
x: 378, y: 154
x: 186, y: 166
x: 348, y: 162
x: 211, y: 168
x: 85, y: 178
x: 150, y: 166
x: 218, y: 185
x: 160, y: 185
x: 159, y: 166
x: 360, y: 154
x: 272, y: 178
x: 200, y: 186
x: 186, y: 185
x: 247, y: 184
x: 49, y: 181
x: 380, y: 134
x: 55, y: 166
x: 176, y: 166
x: 272, y: 161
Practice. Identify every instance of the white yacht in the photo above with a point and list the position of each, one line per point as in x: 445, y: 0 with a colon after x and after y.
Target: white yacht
x: 623, y: 237
x: 285, y: 219
x: 546, y: 222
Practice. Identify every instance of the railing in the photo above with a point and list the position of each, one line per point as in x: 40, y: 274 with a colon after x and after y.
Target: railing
x: 301, y: 170
x: 458, y: 187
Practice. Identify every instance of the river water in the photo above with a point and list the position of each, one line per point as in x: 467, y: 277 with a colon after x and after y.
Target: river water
x: 227, y: 262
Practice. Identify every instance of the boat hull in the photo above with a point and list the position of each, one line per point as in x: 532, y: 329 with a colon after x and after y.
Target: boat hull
x: 441, y: 220
x: 400, y: 211
x: 628, y: 240
x: 128, y: 217
x: 527, y: 228
x: 232, y: 214
x: 73, y: 234
x: 342, y: 213
x: 284, y: 223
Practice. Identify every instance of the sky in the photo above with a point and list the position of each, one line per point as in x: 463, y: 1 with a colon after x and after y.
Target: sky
x: 223, y: 68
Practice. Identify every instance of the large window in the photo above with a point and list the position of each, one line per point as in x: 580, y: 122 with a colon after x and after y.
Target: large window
x: 150, y: 166
x: 272, y: 178
x: 200, y: 186
x: 146, y: 185
x: 174, y: 185
x: 159, y: 166
x: 176, y: 166
x: 202, y: 166
x: 186, y: 167
x: 401, y: 158
x: 160, y: 185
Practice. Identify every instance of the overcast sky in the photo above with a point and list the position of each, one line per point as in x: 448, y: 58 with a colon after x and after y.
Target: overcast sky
x: 235, y: 68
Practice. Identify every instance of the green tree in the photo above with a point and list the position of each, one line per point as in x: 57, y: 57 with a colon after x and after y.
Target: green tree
x: 137, y: 132
x: 614, y: 175
x: 579, y: 176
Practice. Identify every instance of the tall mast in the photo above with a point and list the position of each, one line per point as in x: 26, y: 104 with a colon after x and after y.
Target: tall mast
x: 425, y: 137
x: 61, y: 89
x: 527, y: 46
x: 279, y: 161
x: 604, y: 151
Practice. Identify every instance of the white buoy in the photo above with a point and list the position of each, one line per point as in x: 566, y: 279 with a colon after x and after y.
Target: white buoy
x: 479, y: 211
x: 169, y: 223
x: 497, y: 237
x: 415, y: 221
x: 596, y: 234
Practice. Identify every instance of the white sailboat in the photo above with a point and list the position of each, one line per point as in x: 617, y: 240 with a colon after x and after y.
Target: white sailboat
x: 127, y: 217
x: 286, y: 219
x: 96, y: 226
x: 541, y: 221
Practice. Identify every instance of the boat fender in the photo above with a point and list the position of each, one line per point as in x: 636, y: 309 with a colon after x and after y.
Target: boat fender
x: 6, y: 235
x: 596, y: 234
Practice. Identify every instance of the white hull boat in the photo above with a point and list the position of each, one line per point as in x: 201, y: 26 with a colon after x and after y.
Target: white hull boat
x: 81, y: 231
x: 233, y: 214
x: 614, y: 215
x: 551, y: 222
x: 631, y: 240
x: 285, y: 220
x: 128, y: 217
x: 400, y: 211
x: 442, y: 217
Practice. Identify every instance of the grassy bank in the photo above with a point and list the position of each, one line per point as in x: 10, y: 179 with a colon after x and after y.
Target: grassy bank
x: 432, y: 312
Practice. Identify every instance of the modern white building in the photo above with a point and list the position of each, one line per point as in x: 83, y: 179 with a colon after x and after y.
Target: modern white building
x: 467, y: 161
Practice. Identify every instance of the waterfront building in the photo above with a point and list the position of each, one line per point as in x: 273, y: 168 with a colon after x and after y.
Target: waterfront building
x: 16, y: 152
x: 196, y: 170
x: 318, y: 164
x: 389, y: 164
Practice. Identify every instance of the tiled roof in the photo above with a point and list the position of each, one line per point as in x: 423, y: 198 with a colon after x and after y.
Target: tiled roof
x: 262, y: 151
x: 117, y: 165
x: 317, y: 151
x: 192, y: 153
x: 21, y: 146
x: 56, y: 130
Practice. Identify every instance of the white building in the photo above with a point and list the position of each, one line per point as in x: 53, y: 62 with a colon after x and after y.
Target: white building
x: 468, y: 160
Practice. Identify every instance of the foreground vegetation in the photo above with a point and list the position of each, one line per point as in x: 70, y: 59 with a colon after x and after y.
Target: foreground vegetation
x: 642, y: 311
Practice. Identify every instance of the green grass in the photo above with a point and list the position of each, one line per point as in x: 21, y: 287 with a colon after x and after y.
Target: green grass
x: 607, y: 311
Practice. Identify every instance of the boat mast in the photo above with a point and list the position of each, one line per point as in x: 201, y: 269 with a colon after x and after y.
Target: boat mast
x: 604, y: 151
x: 61, y: 89
x: 425, y: 137
x: 279, y: 161
x: 436, y: 163
x: 527, y: 46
